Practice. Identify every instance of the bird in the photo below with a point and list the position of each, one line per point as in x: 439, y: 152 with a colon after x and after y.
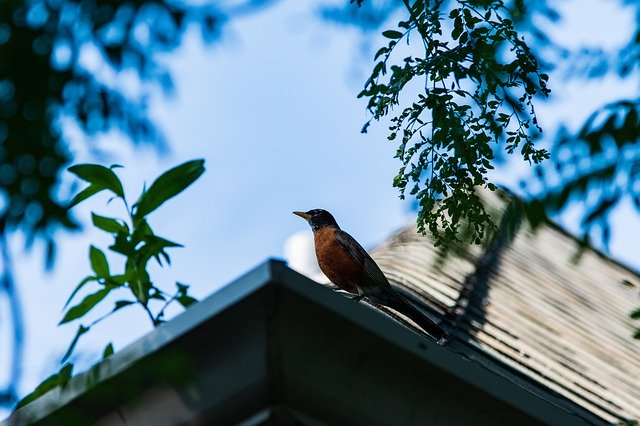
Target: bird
x: 348, y: 265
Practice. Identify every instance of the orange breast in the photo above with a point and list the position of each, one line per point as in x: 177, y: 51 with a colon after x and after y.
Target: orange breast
x: 335, y: 262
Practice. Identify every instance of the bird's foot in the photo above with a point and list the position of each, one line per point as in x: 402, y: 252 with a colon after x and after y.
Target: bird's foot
x: 357, y: 297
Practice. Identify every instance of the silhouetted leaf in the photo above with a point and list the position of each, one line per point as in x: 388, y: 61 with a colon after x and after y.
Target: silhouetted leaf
x: 186, y: 301
x: 168, y: 185
x: 100, y: 176
x: 603, y: 206
x: 99, y: 262
x: 78, y: 287
x: 50, y: 254
x: 86, y: 305
x: 81, y: 330
x: 122, y: 303
x: 108, y: 351
x: 108, y: 224
x: 84, y: 194
x: 393, y: 34
x: 51, y: 382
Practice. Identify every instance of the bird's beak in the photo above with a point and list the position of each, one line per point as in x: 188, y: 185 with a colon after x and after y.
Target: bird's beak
x: 303, y: 215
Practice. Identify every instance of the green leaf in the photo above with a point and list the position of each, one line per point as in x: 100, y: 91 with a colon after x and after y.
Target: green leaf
x: 102, y: 177
x: 182, y: 288
x: 81, y: 330
x: 393, y: 34
x: 185, y: 300
x: 84, y: 194
x: 65, y: 373
x: 168, y: 185
x: 121, y: 304
x: 78, y: 287
x: 108, y: 351
x: 108, y: 224
x: 51, y: 382
x: 86, y: 305
x: 182, y: 298
x: 99, y: 262
x: 635, y: 314
x: 156, y: 295
x: 118, y: 280
x: 122, y: 246
x: 160, y: 242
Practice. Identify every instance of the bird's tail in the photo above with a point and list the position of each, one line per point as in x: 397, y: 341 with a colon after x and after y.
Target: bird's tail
x: 405, y: 307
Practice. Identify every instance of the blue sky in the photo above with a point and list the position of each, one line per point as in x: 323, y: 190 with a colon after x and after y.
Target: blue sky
x: 272, y: 108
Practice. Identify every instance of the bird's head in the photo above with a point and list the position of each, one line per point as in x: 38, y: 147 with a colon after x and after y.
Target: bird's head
x: 318, y: 218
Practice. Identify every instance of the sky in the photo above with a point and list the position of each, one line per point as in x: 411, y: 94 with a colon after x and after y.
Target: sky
x: 272, y: 108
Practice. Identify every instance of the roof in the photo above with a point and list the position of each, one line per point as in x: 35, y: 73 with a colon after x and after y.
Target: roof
x: 276, y: 346
x: 530, y: 307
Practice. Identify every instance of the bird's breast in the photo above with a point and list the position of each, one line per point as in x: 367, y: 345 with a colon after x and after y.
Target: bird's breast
x: 336, y: 263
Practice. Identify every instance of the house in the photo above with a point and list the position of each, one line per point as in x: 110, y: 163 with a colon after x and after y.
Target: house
x: 535, y: 339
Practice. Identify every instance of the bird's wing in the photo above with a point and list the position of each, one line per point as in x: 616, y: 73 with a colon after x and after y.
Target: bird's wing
x: 360, y: 255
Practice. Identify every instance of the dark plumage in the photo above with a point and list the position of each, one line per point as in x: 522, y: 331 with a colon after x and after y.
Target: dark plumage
x: 348, y: 265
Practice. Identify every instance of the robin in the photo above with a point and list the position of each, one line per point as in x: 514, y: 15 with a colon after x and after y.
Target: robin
x: 350, y: 267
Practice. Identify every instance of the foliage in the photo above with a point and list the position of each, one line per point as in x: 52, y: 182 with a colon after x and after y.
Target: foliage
x: 596, y: 166
x: 60, y: 378
x: 134, y: 239
x: 599, y: 158
x: 84, y: 64
x: 600, y: 164
x: 480, y: 81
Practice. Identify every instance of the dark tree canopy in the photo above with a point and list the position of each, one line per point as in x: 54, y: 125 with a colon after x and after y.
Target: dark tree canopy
x: 596, y: 165
x: 593, y: 167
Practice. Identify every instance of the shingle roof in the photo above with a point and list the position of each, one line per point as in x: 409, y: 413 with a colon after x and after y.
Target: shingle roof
x: 526, y: 304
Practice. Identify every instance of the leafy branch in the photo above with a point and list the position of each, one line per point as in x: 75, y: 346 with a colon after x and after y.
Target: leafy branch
x: 134, y: 239
x: 480, y: 79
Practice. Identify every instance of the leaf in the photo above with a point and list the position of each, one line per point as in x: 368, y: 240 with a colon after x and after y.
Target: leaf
x: 102, y: 177
x: 182, y: 288
x: 50, y: 254
x: 118, y: 280
x: 86, y: 305
x: 604, y: 205
x: 156, y: 295
x: 182, y: 298
x: 121, y: 304
x: 81, y: 330
x: 84, y: 194
x: 122, y: 246
x: 51, y: 382
x: 160, y: 242
x: 65, y: 373
x: 78, y: 287
x: 635, y: 314
x: 99, y: 262
x: 392, y: 34
x: 186, y: 301
x: 108, y: 351
x: 168, y: 185
x: 108, y: 224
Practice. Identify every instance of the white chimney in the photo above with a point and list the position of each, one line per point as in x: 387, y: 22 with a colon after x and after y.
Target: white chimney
x: 300, y: 254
